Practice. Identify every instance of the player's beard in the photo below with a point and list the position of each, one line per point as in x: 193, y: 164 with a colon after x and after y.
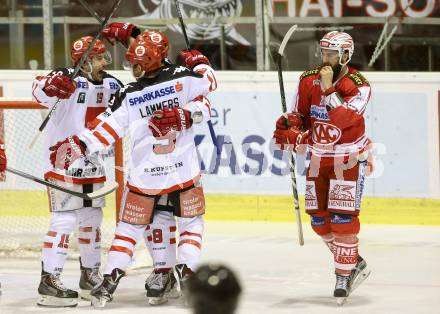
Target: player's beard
x: 336, y: 69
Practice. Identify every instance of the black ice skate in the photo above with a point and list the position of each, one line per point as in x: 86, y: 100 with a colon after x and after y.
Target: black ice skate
x: 182, y: 272
x: 103, y: 293
x: 160, y: 287
x: 90, y: 278
x: 54, y: 294
x: 359, y: 273
x: 342, y: 289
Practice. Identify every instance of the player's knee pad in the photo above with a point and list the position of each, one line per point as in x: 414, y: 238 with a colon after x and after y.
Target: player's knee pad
x: 190, y: 240
x: 89, y: 237
x: 320, y: 223
x: 344, y: 223
x: 161, y: 238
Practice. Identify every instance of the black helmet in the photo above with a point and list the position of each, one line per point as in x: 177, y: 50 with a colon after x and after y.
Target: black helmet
x: 213, y: 289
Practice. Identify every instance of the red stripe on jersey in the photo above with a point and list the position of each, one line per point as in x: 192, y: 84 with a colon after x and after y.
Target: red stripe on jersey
x: 83, y: 241
x: 86, y: 229
x: 47, y: 245
x: 176, y: 187
x: 187, y: 233
x: 173, y: 241
x: 121, y: 249
x: 93, y: 124
x: 101, y: 138
x: 192, y: 242
x: 51, y: 234
x: 173, y: 229
x: 110, y: 130
x: 124, y: 238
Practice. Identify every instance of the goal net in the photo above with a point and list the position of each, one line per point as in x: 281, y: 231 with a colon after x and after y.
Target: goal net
x: 24, y: 208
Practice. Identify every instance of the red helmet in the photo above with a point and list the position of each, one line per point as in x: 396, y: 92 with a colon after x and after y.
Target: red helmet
x: 144, y: 53
x: 80, y: 46
x: 339, y: 41
x: 159, y: 39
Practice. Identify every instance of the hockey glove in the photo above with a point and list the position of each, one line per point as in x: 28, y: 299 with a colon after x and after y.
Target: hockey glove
x: 192, y: 58
x: 64, y: 153
x: 163, y: 121
x: 120, y: 32
x: 291, y: 120
x: 291, y: 139
x: 60, y: 86
x: 2, y: 157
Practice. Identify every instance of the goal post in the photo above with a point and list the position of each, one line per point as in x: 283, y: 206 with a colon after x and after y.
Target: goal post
x: 24, y: 208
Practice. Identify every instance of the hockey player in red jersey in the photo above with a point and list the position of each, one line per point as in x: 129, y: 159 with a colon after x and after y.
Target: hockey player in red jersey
x: 82, y: 98
x: 158, y: 112
x: 328, y: 118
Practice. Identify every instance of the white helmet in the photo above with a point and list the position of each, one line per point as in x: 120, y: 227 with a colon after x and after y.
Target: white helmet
x: 339, y: 41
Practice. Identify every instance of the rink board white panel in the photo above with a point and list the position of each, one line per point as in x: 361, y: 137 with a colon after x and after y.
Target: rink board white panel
x: 402, y: 119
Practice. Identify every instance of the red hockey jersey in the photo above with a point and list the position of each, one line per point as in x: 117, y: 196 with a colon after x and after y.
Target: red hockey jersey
x: 341, y: 131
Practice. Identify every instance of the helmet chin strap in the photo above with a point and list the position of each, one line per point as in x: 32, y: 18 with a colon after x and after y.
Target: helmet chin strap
x: 89, y: 73
x: 341, y: 54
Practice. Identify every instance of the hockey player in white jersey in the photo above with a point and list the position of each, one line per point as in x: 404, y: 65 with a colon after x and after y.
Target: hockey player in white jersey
x: 157, y: 111
x: 82, y: 98
x: 160, y: 235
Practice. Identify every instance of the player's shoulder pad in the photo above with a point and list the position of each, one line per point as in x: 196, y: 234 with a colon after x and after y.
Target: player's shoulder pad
x: 62, y: 71
x: 358, y: 78
x: 172, y: 72
x: 109, y: 76
x: 309, y: 73
x: 118, y: 97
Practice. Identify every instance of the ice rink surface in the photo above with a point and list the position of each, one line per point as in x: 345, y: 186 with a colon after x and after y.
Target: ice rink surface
x: 278, y: 275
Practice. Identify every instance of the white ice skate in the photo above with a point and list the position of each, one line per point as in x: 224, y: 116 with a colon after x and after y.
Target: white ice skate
x: 359, y: 274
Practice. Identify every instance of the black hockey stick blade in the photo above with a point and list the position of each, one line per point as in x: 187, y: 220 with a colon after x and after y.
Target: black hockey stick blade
x: 106, y: 189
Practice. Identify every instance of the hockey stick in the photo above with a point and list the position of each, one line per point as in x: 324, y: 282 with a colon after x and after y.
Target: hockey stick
x: 106, y: 189
x: 82, y: 61
x: 188, y: 47
x: 291, y: 158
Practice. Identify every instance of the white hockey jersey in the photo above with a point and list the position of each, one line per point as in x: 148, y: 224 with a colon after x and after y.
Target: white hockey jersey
x: 73, y: 116
x: 156, y: 166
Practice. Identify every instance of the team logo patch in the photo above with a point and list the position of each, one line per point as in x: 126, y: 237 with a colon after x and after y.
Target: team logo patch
x: 340, y: 219
x: 81, y: 98
x: 78, y: 45
x: 155, y: 37
x: 311, y: 200
x: 319, y: 112
x: 139, y: 51
x: 179, y: 87
x: 325, y: 133
x: 318, y: 221
x: 342, y: 195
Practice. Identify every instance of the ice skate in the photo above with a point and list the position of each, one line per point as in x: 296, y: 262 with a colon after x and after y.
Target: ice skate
x: 342, y: 289
x: 182, y: 272
x: 54, y: 294
x: 103, y: 293
x: 90, y: 278
x: 359, y: 273
x: 160, y: 287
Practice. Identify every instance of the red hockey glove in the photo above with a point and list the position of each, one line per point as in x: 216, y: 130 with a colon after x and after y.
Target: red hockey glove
x: 192, y: 58
x: 163, y: 121
x: 60, y: 86
x: 291, y: 139
x: 64, y: 153
x: 120, y: 32
x: 2, y: 158
x: 290, y: 120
